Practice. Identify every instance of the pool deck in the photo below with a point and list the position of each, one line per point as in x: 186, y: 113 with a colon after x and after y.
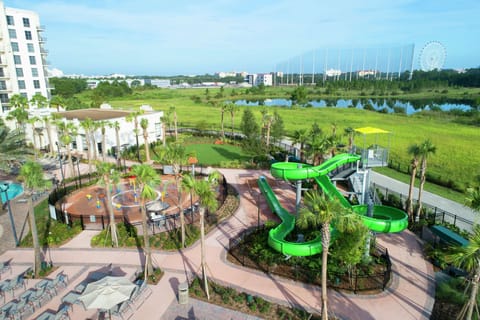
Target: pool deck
x: 410, y: 295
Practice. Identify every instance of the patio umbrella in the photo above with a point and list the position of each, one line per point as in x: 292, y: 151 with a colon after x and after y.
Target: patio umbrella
x: 106, y: 292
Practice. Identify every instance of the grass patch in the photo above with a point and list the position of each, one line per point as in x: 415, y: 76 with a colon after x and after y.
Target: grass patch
x: 216, y: 154
x: 51, y: 233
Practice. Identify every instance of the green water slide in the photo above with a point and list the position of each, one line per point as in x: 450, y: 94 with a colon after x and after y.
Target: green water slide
x: 383, y: 219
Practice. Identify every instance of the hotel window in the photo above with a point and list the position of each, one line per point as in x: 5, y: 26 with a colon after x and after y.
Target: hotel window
x: 10, y: 21
x: 19, y: 72
x: 36, y: 84
x: 26, y: 22
x: 24, y: 94
x: 30, y: 47
x: 2, y: 73
x: 32, y: 60
x: 21, y: 84
x: 17, y: 59
x: 12, y: 34
x: 34, y: 72
x: 28, y: 35
x: 4, y: 98
x: 3, y: 85
x: 15, y: 47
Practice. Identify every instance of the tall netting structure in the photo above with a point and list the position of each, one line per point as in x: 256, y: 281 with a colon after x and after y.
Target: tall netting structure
x: 333, y: 64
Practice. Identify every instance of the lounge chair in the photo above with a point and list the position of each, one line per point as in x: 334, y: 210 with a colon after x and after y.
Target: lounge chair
x: 4, y: 267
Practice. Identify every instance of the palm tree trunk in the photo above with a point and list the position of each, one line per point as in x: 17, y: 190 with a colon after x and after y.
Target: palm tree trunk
x: 223, y: 130
x: 472, y: 301
x: 175, y: 124
x: 104, y: 145
x: 164, y: 138
x: 36, y: 243
x: 148, y: 251
x: 147, y: 149
x: 89, y: 152
x: 409, y: 202
x: 49, y: 135
x: 325, y: 246
x: 113, y: 226
x: 117, y: 137
x: 420, y: 187
x: 70, y: 161
x: 202, y: 243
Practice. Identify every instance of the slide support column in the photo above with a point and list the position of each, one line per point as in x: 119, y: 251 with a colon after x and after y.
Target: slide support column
x: 299, y: 194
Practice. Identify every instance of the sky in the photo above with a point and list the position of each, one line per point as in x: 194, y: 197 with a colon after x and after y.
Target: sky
x: 152, y: 37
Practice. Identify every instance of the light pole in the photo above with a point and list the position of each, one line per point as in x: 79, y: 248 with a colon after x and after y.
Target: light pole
x: 4, y: 189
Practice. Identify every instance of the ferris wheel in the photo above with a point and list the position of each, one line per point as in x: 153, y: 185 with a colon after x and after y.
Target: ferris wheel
x: 433, y: 56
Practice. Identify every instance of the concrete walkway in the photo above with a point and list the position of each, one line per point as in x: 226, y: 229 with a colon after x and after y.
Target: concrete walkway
x: 409, y: 297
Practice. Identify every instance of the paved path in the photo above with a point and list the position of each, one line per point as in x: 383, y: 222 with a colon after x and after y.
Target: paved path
x: 409, y: 297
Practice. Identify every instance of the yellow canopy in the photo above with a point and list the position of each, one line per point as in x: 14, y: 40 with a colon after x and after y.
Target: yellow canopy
x: 370, y: 130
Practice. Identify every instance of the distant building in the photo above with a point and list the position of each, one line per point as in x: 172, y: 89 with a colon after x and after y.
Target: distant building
x: 365, y: 73
x: 333, y: 72
x: 23, y: 58
x: 260, y: 78
x: 160, y: 83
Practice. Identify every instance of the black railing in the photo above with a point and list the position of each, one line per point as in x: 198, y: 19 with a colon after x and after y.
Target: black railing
x: 433, y: 214
x: 356, y: 281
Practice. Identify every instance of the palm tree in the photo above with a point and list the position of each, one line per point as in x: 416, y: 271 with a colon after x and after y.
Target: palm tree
x: 47, y: 120
x: 320, y: 212
x: 319, y: 147
x: 268, y: 120
x: 116, y: 125
x: 176, y: 155
x: 133, y: 116
x: 67, y: 132
x: 223, y: 108
x: 144, y: 125
x: 103, y: 129
x: 87, y: 126
x: 468, y: 258
x: 147, y: 179
x: 300, y: 136
x: 174, y: 112
x: 414, y: 151
x: 205, y: 190
x: 425, y: 150
x: 350, y: 132
x: 473, y: 198
x: 39, y: 100
x: 19, y: 111
x: 232, y: 109
x: 108, y: 176
x: 13, y: 147
x: 57, y: 102
x: 35, y: 132
x: 31, y: 174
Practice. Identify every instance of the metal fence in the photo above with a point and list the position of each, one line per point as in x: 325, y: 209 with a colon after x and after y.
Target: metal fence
x: 357, y: 281
x: 433, y: 214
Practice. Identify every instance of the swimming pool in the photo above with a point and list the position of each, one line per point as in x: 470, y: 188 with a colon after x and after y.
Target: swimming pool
x: 14, y: 189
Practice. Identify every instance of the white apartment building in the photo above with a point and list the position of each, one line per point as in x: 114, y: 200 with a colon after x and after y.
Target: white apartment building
x: 22, y: 55
x: 260, y: 78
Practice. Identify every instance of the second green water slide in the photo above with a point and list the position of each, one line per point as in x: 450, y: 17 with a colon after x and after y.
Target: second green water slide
x: 385, y: 219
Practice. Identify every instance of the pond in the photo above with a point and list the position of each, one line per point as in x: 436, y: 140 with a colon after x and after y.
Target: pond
x: 12, y: 189
x: 389, y: 105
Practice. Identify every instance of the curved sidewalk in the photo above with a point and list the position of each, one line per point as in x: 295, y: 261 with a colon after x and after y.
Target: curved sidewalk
x: 409, y: 297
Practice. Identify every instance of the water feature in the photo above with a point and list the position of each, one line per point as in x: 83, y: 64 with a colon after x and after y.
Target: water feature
x: 389, y: 105
x: 14, y: 190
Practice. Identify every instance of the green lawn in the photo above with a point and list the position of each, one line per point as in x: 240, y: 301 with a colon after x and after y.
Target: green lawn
x: 214, y: 154
x: 430, y: 187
